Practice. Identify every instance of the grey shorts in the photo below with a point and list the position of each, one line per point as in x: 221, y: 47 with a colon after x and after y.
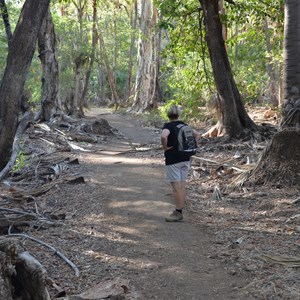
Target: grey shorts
x: 177, y: 172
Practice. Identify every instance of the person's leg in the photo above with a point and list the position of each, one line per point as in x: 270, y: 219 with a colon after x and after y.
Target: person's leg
x: 179, y: 193
x: 177, y: 174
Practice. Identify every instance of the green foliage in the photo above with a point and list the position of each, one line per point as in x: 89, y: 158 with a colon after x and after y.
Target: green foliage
x: 186, y: 64
x: 185, y: 59
x: 20, y: 162
x: 247, y: 48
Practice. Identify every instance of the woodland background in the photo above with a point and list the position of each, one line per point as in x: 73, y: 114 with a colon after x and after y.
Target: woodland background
x: 253, y: 31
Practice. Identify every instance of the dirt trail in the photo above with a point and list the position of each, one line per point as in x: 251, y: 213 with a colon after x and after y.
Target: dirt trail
x: 122, y: 218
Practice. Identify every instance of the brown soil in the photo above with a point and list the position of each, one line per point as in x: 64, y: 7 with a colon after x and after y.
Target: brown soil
x: 115, y: 228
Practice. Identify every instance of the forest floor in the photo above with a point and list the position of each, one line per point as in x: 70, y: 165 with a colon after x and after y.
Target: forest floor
x: 233, y: 244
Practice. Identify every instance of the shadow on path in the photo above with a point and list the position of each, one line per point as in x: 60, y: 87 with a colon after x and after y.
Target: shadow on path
x: 162, y: 260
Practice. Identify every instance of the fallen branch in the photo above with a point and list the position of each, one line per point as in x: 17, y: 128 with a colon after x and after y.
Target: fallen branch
x: 21, y: 218
x: 217, y: 163
x: 287, y: 261
x: 59, y: 254
x: 15, y: 211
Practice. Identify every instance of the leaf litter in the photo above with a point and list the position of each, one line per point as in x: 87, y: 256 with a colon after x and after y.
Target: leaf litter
x: 255, y: 228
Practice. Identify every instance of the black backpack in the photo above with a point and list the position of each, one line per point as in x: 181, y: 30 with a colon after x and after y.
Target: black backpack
x: 186, y: 141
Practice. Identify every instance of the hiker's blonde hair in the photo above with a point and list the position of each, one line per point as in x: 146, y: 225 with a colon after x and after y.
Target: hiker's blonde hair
x: 173, y: 112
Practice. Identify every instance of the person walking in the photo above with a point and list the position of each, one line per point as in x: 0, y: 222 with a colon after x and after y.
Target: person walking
x: 177, y: 162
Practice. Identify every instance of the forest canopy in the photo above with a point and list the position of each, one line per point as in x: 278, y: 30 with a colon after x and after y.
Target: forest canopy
x: 253, y: 32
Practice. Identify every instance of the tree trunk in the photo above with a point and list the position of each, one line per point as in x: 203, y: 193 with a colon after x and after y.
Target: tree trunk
x: 82, y: 101
x: 280, y: 162
x: 79, y: 62
x: 5, y: 18
x: 234, y: 118
x: 133, y: 23
x: 156, y: 94
x: 77, y: 88
x: 144, y: 76
x: 115, y: 56
x: 291, y: 72
x: 19, y: 58
x: 101, y: 91
x: 50, y: 102
x: 110, y: 76
x: 271, y: 68
x: 223, y: 16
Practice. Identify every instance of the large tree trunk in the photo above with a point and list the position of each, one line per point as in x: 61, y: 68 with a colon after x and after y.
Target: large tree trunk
x: 19, y: 58
x: 234, y: 118
x: 156, y: 88
x: 280, y: 162
x: 144, y: 77
x: 291, y: 72
x: 77, y: 88
x: 50, y: 102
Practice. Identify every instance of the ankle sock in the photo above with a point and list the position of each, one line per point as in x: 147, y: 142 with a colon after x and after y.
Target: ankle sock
x: 179, y: 210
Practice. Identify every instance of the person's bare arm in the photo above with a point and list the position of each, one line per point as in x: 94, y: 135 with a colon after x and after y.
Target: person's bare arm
x: 164, y: 139
x: 196, y: 134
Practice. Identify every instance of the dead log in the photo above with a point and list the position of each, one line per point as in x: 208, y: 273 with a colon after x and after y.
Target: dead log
x: 21, y: 275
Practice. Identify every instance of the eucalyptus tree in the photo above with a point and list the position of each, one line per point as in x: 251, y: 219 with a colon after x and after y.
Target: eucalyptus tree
x: 132, y: 11
x: 82, y: 100
x: 145, y: 83
x: 19, y: 58
x: 50, y: 100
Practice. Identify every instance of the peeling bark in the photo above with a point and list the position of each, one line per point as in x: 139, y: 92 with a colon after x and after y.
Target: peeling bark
x: 50, y: 102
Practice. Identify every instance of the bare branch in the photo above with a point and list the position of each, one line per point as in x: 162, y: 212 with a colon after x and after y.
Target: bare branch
x: 59, y: 254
